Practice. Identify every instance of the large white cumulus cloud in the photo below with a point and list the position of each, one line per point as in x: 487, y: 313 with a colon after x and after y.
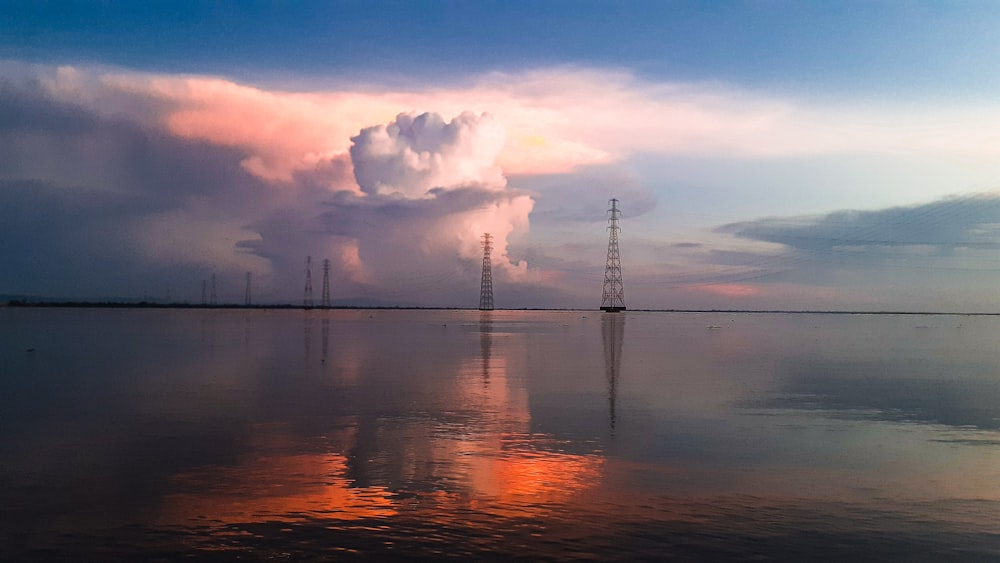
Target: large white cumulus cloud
x: 416, y: 153
x: 450, y: 169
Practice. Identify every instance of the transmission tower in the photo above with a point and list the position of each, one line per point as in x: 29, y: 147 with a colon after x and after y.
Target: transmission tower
x: 486, y: 287
x: 613, y: 299
x: 213, y: 302
x: 307, y: 296
x: 246, y: 297
x: 204, y: 292
x: 325, y: 300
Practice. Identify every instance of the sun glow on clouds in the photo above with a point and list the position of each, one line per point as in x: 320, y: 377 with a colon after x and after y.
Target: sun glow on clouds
x: 727, y: 289
x: 415, y: 154
x: 391, y: 180
x: 421, y: 157
x: 555, y: 119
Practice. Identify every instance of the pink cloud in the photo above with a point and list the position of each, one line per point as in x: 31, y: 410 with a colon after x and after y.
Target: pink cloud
x: 414, y: 154
x: 555, y: 119
x: 727, y: 290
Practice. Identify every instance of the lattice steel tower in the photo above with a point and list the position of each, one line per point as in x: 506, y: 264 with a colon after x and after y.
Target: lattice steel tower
x: 307, y: 294
x: 613, y: 299
x: 486, y: 287
x: 325, y: 299
x: 246, y: 295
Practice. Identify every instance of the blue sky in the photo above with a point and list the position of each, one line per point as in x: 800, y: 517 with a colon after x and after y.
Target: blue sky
x: 906, y: 48
x: 152, y: 144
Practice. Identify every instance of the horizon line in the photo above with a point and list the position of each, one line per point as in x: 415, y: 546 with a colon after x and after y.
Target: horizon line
x: 155, y: 305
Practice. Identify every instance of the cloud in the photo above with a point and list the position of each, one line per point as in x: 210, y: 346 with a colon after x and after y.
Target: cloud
x: 414, y: 154
x: 583, y: 195
x: 556, y: 119
x: 945, y: 226
x: 93, y: 205
x: 940, y: 255
x: 727, y: 289
x: 113, y: 205
x: 195, y: 173
x: 432, y: 189
x: 427, y: 235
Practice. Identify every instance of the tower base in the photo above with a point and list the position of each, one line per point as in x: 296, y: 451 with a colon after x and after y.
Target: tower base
x: 613, y: 309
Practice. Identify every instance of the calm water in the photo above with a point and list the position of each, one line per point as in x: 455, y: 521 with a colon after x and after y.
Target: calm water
x: 319, y: 435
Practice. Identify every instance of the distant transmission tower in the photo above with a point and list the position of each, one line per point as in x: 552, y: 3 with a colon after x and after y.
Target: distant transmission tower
x: 486, y: 287
x: 613, y: 299
x: 213, y: 301
x: 204, y: 292
x: 325, y: 300
x: 307, y: 296
x: 246, y: 297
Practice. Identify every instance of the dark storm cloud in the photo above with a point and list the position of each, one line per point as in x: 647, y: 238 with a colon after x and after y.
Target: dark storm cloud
x: 352, y: 215
x: 78, y: 192
x: 27, y: 108
x: 52, y: 238
x: 949, y: 245
x: 947, y: 224
x: 55, y: 141
x: 394, y: 248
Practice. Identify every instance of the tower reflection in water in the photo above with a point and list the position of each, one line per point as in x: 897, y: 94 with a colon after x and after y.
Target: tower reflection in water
x: 387, y: 442
x: 613, y: 334
x: 325, y: 338
x: 486, y: 342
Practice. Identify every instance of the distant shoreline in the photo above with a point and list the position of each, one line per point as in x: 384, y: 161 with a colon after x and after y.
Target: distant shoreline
x: 280, y: 306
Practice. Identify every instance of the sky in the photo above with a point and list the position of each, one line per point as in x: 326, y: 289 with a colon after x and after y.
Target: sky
x: 766, y: 155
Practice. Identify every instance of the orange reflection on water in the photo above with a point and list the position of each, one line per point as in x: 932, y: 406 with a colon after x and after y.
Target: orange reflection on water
x: 273, y: 488
x: 489, y: 462
x: 530, y: 482
x: 505, y: 469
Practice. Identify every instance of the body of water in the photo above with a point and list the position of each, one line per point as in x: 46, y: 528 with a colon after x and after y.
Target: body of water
x: 345, y: 434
